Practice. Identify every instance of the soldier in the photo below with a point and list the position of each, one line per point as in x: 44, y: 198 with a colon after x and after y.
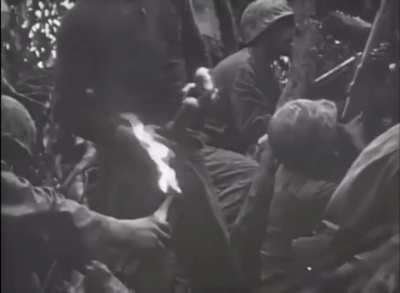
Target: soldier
x: 357, y: 207
x: 124, y: 57
x: 74, y: 233
x: 303, y: 136
x: 361, y: 220
x: 246, y: 81
x: 119, y: 57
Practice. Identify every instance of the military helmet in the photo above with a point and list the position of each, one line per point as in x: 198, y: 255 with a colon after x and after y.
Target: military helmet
x: 259, y: 15
x: 303, y: 129
x: 17, y: 124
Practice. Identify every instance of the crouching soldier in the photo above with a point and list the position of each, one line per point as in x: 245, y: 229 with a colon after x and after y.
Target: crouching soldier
x: 34, y: 216
x: 303, y: 136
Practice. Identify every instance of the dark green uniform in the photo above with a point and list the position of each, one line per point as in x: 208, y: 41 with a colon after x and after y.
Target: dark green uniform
x: 124, y: 56
x: 39, y: 224
x: 248, y: 93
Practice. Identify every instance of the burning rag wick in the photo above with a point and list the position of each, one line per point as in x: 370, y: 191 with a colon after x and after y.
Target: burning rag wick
x: 159, y: 154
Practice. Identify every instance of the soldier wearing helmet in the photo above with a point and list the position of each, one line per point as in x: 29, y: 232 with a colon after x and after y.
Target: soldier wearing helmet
x: 73, y: 231
x: 303, y: 131
x: 260, y: 15
x: 310, y: 145
x: 360, y: 217
x: 302, y: 135
x: 247, y: 84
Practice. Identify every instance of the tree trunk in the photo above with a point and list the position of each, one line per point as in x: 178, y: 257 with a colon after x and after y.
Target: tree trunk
x: 304, y: 50
x: 228, y: 26
x: 217, y: 26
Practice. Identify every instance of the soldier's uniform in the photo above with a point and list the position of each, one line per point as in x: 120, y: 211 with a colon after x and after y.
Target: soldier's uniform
x: 247, y: 85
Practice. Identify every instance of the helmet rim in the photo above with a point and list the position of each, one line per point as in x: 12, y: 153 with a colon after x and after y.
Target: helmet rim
x: 259, y: 15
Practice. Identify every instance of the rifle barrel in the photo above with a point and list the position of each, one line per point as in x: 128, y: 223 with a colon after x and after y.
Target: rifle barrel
x: 381, y: 29
x: 337, y: 70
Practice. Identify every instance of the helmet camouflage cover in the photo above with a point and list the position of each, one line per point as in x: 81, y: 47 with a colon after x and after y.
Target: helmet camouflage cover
x: 303, y: 128
x: 17, y: 124
x: 259, y: 15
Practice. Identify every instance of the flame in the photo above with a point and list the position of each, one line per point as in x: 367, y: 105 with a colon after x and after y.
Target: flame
x: 160, y: 154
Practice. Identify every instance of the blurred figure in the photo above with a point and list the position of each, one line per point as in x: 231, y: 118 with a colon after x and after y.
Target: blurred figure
x: 361, y: 225
x: 124, y: 57
x: 367, y: 197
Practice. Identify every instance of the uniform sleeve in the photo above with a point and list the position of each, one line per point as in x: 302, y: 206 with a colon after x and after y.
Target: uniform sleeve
x: 25, y: 206
x: 368, y: 194
x: 297, y: 205
x: 249, y: 106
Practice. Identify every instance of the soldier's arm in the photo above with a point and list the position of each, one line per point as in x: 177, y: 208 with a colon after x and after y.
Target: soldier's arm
x: 107, y: 239
x: 249, y: 107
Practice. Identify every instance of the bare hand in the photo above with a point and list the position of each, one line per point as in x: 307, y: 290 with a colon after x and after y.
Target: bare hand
x: 145, y: 235
x: 131, y: 240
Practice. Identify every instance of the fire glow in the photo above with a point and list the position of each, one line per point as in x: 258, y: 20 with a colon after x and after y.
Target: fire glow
x: 160, y: 154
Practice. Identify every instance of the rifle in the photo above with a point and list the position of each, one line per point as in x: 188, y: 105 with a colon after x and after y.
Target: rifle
x: 381, y: 30
x: 335, y: 72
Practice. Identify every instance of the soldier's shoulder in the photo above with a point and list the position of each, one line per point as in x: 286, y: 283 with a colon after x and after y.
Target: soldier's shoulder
x: 235, y: 61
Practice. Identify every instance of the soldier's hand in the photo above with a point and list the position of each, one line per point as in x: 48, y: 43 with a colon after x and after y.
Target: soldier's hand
x: 146, y: 235
x: 132, y: 240
x: 100, y: 279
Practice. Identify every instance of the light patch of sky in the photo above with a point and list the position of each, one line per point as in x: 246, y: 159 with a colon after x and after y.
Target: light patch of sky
x: 67, y: 4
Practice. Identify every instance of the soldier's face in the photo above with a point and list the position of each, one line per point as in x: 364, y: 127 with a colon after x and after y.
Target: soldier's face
x: 284, y: 39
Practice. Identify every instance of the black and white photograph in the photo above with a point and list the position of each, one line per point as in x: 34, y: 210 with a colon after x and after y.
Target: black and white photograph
x: 200, y: 146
